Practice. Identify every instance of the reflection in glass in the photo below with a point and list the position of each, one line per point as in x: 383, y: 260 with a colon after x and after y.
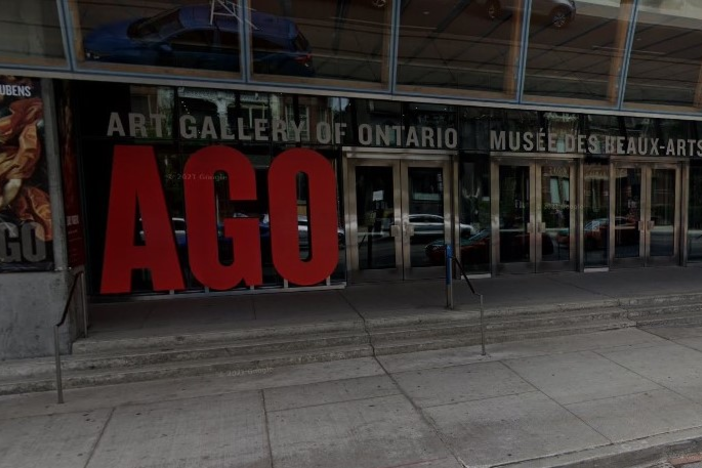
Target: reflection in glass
x: 375, y: 214
x: 662, y: 212
x: 694, y: 217
x: 156, y: 105
x: 555, y: 213
x: 30, y: 32
x: 346, y: 40
x: 475, y: 129
x: 564, y: 128
x: 426, y: 212
x: 475, y: 212
x: 515, y: 238
x: 570, y: 54
x: 665, y: 61
x: 596, y: 215
x: 178, y: 34
x: 600, y: 128
x: 627, y: 212
x: 378, y: 113
x: 641, y: 127
x: 456, y: 44
x: 171, y: 166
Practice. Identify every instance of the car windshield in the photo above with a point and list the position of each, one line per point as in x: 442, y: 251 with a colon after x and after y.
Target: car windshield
x: 301, y: 43
x: 162, y: 25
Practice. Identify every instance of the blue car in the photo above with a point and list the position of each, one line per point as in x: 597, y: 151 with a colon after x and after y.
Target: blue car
x: 185, y: 37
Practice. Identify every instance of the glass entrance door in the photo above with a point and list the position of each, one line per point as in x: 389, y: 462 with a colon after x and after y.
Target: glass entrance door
x: 534, y: 228
x: 397, y: 210
x: 646, y: 214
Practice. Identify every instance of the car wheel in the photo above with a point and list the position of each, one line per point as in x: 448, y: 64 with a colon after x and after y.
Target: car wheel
x: 379, y: 3
x: 560, y: 18
x: 493, y: 9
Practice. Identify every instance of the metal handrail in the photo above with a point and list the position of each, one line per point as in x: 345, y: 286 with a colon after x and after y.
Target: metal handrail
x: 57, y: 351
x: 451, y: 259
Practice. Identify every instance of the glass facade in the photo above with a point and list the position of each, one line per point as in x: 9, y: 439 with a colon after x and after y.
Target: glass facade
x: 594, y: 191
x: 458, y: 45
x: 176, y: 123
x: 664, y: 66
x: 626, y: 55
x: 346, y: 40
x: 30, y: 34
x: 154, y: 37
x: 574, y: 55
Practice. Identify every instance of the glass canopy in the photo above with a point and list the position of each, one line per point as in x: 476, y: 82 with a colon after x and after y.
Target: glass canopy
x: 590, y: 54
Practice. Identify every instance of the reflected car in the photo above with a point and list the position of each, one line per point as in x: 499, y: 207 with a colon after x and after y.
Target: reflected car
x: 475, y: 250
x: 596, y: 233
x: 302, y: 230
x: 557, y: 13
x: 430, y: 225
x: 179, y: 231
x: 185, y: 37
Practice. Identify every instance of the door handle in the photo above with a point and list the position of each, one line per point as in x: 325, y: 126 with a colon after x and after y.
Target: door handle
x: 542, y: 227
x: 651, y: 224
x: 641, y: 225
x: 409, y: 228
x: 395, y: 230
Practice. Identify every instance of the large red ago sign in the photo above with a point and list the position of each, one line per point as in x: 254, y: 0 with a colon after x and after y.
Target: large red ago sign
x: 136, y: 183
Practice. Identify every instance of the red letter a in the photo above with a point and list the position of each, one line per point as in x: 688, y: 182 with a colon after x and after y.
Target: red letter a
x: 136, y: 182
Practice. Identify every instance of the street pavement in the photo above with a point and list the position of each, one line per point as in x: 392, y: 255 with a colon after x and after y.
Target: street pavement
x: 533, y: 403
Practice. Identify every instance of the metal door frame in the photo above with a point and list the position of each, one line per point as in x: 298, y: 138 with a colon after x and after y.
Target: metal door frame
x: 647, y: 166
x: 400, y: 161
x: 410, y: 272
x: 535, y: 162
x: 354, y: 273
x: 558, y: 265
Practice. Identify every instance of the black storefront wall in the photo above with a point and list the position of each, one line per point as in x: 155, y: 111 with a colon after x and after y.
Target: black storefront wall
x: 177, y: 121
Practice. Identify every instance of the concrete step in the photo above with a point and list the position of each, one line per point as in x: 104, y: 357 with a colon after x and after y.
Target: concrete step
x: 231, y: 366
x: 193, y: 350
x: 667, y: 310
x: 106, y: 341
x: 102, y: 361
x: 383, y: 347
x: 581, y: 316
x: 690, y: 318
x: 661, y: 300
x: 75, y: 376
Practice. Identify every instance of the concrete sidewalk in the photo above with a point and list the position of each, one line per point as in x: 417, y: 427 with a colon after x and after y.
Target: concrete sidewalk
x: 609, y: 399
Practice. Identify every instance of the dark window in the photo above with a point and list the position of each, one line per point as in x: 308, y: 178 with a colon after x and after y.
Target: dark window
x: 229, y: 41
x: 264, y: 45
x: 191, y: 40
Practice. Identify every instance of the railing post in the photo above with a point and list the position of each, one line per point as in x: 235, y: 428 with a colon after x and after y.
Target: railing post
x: 57, y: 354
x: 57, y: 347
x: 482, y: 326
x: 449, y: 276
x: 84, y: 302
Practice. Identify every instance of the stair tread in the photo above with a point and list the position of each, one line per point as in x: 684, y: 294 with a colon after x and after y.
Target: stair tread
x: 150, y: 368
x: 198, y: 351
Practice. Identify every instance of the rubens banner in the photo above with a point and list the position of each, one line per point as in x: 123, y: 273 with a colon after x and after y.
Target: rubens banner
x: 25, y: 210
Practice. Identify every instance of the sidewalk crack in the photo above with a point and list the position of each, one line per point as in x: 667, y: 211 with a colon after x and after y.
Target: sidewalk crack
x: 422, y: 415
x: 99, y: 437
